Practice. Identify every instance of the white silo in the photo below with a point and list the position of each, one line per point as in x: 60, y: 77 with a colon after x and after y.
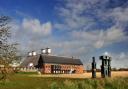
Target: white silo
x: 48, y: 51
x: 43, y: 51
x: 29, y: 53
x: 34, y: 53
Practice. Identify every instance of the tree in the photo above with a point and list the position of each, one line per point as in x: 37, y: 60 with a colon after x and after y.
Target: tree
x: 7, y: 49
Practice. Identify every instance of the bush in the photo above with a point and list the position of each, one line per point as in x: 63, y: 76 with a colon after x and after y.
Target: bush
x: 54, y: 85
x: 70, y: 85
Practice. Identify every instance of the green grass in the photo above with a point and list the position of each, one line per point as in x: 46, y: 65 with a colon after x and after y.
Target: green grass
x: 22, y: 81
x: 27, y: 73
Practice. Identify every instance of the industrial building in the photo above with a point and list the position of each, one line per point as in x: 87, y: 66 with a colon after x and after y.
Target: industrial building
x: 47, y: 63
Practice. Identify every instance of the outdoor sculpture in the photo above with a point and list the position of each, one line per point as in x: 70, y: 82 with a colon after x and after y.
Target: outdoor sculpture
x: 93, y: 68
x: 106, y: 66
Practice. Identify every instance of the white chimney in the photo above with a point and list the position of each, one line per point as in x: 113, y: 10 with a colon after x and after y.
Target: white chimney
x: 43, y: 51
x: 48, y: 51
x: 33, y: 53
x: 29, y: 53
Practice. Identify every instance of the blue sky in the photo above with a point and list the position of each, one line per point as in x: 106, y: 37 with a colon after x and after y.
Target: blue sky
x: 79, y: 28
x: 41, y: 9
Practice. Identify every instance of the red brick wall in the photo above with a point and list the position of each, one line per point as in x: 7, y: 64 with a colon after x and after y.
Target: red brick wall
x: 64, y: 67
x: 47, y: 68
x: 80, y: 69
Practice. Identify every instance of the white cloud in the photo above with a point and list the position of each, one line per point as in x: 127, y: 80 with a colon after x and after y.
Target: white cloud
x: 35, y: 26
x: 114, y: 34
x: 73, y: 14
x: 74, y: 19
x: 100, y: 38
x: 29, y: 33
x: 119, y: 60
x: 119, y: 14
x: 110, y: 36
x: 122, y: 55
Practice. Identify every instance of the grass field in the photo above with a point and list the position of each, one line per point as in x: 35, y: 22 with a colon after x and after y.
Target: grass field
x: 25, y: 81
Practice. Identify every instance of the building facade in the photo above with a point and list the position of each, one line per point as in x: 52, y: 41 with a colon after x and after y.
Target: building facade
x: 53, y: 64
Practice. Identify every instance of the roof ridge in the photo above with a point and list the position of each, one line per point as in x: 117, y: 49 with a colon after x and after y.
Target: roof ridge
x: 60, y: 57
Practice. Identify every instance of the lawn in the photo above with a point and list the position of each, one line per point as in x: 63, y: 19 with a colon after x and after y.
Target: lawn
x: 23, y: 81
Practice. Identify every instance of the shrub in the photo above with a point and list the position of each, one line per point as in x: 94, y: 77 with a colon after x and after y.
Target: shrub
x: 54, y: 85
x: 68, y: 84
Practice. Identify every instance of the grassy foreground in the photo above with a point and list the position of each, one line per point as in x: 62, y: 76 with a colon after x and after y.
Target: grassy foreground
x: 22, y: 81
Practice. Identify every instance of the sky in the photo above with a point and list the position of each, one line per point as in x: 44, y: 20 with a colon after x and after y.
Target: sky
x: 72, y: 28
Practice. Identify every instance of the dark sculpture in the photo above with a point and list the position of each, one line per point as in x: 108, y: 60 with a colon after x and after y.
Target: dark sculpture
x: 106, y: 66
x: 93, y: 68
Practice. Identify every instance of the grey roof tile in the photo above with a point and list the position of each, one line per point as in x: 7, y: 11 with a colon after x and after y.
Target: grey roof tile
x: 50, y: 59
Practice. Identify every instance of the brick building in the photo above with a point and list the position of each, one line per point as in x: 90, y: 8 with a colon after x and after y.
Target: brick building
x: 53, y: 64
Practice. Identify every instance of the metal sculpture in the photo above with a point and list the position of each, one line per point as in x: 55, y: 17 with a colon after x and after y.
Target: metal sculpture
x: 106, y: 66
x: 93, y: 68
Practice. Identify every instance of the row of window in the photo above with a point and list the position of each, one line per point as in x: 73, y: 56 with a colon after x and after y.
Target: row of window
x: 59, y: 67
x: 63, y: 71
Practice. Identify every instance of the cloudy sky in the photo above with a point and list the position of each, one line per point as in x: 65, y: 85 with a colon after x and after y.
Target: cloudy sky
x: 78, y: 28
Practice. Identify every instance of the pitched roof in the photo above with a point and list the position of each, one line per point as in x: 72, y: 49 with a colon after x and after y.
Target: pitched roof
x: 30, y: 59
x: 50, y: 59
x: 60, y: 60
